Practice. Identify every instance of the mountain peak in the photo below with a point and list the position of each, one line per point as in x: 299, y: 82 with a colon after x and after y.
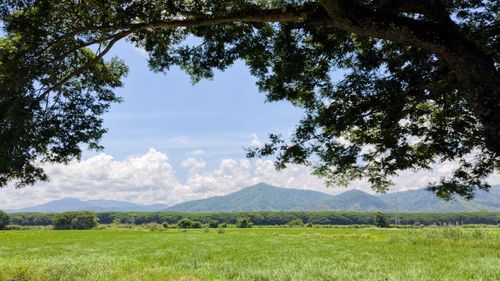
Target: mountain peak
x: 261, y: 185
x: 354, y: 192
x: 68, y: 199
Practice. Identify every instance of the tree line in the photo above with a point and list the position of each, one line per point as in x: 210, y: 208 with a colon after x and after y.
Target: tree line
x: 268, y: 218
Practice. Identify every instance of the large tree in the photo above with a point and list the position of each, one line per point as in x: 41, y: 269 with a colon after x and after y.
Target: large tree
x: 386, y: 85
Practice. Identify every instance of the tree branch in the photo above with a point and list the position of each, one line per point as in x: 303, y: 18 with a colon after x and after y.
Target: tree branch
x: 86, y: 66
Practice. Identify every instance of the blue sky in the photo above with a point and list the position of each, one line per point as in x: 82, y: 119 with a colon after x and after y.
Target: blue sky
x: 169, y: 113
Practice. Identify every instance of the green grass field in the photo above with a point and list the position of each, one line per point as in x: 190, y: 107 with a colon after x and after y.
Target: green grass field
x: 252, y: 254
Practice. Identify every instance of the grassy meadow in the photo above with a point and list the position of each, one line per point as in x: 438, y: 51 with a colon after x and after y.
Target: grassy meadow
x: 300, y: 254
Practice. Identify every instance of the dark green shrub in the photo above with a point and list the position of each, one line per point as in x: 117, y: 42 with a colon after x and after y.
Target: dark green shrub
x: 223, y: 225
x: 165, y: 225
x: 196, y: 224
x: 213, y: 223
x: 4, y: 220
x: 296, y: 222
x: 309, y: 225
x: 75, y: 220
x: 185, y: 223
x: 243, y: 222
x: 380, y: 220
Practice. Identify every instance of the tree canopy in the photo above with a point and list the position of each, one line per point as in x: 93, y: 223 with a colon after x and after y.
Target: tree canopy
x: 386, y: 85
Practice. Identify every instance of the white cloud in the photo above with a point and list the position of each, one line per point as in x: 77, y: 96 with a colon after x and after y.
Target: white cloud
x: 255, y: 141
x: 150, y: 178
x: 147, y: 178
x: 194, y: 164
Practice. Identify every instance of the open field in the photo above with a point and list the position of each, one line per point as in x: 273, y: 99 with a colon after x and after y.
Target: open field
x: 252, y: 254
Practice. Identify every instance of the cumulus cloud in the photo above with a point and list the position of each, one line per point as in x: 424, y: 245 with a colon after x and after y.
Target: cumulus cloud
x: 147, y: 178
x: 150, y: 178
x: 255, y: 141
x: 193, y: 164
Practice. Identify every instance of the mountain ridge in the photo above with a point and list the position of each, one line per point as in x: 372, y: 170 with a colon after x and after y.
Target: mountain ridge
x: 419, y: 200
x: 265, y: 197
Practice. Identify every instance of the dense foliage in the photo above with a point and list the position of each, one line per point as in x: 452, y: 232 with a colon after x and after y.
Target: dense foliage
x: 187, y: 223
x: 4, y: 219
x: 274, y: 218
x: 184, y: 223
x: 213, y: 223
x: 75, y: 220
x: 386, y: 86
x: 295, y: 222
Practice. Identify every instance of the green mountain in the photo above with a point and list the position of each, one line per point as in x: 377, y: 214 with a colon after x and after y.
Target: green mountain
x: 260, y: 197
x: 264, y: 197
x: 354, y: 200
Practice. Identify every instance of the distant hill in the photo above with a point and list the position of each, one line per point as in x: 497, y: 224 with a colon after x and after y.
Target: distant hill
x: 264, y: 197
x: 73, y: 204
x: 260, y: 197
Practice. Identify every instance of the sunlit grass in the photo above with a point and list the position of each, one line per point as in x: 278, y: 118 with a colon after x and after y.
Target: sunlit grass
x: 252, y: 254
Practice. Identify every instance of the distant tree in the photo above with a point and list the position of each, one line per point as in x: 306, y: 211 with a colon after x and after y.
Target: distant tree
x: 185, y: 223
x: 196, y: 224
x: 380, y: 220
x: 416, y: 81
x: 75, y: 220
x: 243, y: 222
x: 213, y: 223
x: 296, y: 222
x: 4, y: 219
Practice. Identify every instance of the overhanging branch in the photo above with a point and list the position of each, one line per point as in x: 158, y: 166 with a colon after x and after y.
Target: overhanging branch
x: 305, y: 13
